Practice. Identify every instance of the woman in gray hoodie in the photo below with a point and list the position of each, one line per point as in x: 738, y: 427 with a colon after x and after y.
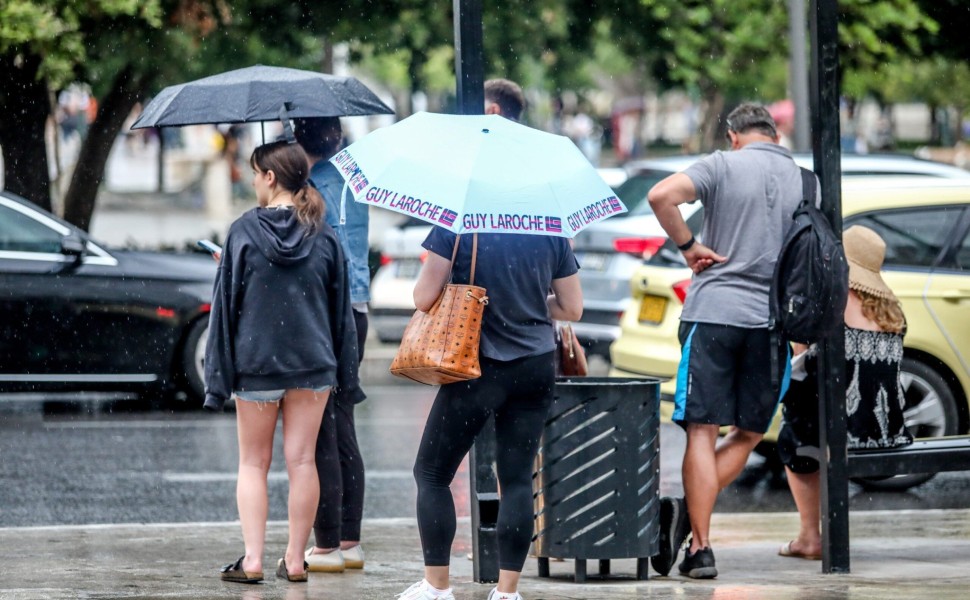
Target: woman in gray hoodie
x: 281, y: 339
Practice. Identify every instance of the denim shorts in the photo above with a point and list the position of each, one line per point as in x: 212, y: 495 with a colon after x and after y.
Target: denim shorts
x: 268, y: 395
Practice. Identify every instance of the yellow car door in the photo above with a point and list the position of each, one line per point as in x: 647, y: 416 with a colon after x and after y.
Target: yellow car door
x: 948, y: 304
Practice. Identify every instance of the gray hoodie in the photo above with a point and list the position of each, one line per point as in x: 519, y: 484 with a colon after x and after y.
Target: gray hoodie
x: 281, y: 315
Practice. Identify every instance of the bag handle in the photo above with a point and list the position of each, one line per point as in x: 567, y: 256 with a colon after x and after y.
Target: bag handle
x: 454, y: 254
x: 471, y: 279
x: 568, y: 338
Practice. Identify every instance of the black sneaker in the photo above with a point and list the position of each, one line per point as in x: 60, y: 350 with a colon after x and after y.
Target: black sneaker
x: 699, y: 565
x: 674, y: 527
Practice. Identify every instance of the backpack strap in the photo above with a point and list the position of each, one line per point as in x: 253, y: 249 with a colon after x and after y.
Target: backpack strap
x: 775, y: 342
x: 808, y: 186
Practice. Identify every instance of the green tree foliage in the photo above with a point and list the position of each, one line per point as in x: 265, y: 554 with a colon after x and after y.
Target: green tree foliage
x: 42, y: 42
x: 56, y: 30
x: 736, y: 49
x: 951, y: 39
x: 125, y: 49
x: 723, y: 49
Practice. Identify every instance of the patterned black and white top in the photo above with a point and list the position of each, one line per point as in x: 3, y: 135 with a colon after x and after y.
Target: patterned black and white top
x: 874, y: 401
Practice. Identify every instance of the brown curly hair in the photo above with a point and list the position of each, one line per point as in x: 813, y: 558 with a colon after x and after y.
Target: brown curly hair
x: 885, y: 312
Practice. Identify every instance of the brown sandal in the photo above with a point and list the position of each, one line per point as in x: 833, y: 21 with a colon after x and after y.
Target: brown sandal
x: 235, y: 573
x: 281, y: 572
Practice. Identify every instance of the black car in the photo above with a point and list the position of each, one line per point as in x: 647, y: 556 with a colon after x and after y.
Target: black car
x: 75, y: 316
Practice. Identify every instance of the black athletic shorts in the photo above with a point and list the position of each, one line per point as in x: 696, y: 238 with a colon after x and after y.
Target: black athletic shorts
x: 724, y: 377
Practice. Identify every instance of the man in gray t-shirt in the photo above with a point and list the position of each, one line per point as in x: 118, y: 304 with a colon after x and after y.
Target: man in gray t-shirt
x: 724, y: 377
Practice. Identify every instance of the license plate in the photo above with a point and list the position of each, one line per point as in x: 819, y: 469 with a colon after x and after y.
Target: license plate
x: 408, y: 269
x: 652, y: 309
x: 592, y: 261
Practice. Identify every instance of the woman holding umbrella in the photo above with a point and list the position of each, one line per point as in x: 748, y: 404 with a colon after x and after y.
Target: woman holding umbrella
x: 516, y: 387
x: 281, y: 336
x: 522, y: 192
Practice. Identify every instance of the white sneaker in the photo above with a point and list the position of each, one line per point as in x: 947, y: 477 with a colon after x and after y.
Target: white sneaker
x: 332, y: 562
x: 422, y: 590
x: 353, y: 557
x: 497, y: 595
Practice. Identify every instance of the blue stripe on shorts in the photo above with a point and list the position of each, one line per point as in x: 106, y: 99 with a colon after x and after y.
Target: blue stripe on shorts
x: 680, y: 396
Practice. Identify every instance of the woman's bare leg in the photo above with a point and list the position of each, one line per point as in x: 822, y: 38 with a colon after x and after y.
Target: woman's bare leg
x: 256, y: 424
x: 302, y: 415
x: 805, y: 490
x: 508, y: 581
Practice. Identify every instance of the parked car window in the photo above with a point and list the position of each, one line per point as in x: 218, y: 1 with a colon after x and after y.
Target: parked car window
x: 20, y: 233
x: 963, y: 254
x: 634, y: 190
x: 914, y: 238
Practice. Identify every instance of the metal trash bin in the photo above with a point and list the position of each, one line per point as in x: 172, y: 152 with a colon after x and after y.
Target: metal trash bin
x: 596, y: 486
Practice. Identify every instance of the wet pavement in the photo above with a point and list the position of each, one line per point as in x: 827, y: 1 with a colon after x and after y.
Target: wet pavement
x: 123, y: 462
x: 908, y: 554
x: 152, y: 493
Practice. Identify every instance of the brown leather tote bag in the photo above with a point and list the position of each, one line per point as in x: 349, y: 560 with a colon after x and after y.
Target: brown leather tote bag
x: 571, y: 358
x: 441, y: 346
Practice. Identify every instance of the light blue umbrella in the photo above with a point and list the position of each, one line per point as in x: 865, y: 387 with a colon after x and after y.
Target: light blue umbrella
x: 470, y: 173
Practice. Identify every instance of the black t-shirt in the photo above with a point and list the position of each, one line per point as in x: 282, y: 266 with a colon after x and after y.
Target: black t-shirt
x: 516, y: 272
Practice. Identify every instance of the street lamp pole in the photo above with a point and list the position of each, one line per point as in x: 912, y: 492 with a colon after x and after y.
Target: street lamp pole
x: 470, y: 82
x: 827, y: 151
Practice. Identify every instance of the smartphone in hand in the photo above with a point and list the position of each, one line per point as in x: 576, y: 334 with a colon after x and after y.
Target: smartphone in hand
x: 214, y: 249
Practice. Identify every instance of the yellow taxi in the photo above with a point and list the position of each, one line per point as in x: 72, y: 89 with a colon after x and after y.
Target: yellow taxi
x: 925, y: 224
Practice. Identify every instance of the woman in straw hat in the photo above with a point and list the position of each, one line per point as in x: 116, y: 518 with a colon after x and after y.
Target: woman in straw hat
x: 874, y: 327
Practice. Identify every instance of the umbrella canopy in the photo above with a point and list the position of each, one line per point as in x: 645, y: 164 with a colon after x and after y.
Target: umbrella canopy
x: 257, y: 94
x: 470, y: 173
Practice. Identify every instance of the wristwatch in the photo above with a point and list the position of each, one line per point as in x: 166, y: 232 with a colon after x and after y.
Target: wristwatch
x: 687, y: 245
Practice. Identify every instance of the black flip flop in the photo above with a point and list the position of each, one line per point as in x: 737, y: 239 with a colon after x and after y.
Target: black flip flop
x: 236, y: 574
x: 282, y: 574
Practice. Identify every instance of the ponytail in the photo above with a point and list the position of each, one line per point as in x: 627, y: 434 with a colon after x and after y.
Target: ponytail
x: 309, y: 206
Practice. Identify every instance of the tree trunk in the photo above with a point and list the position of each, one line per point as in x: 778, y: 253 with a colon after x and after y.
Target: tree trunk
x: 711, y: 118
x: 24, y: 109
x: 127, y: 88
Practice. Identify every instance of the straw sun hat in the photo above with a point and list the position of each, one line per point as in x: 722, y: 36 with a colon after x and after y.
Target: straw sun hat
x: 865, y: 251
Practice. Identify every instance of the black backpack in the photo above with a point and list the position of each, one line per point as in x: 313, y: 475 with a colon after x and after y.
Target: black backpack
x: 810, y: 286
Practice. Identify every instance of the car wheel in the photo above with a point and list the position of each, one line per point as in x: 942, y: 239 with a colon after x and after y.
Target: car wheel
x: 931, y: 411
x: 193, y: 358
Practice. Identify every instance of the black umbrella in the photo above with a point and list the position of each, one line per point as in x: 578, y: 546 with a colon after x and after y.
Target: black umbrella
x: 259, y: 93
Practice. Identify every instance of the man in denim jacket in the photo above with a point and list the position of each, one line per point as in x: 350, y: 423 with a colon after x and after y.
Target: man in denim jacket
x: 339, y: 465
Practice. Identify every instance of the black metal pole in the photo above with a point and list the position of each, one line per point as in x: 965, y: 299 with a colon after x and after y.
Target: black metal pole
x: 826, y: 147
x: 469, y: 57
x: 470, y: 80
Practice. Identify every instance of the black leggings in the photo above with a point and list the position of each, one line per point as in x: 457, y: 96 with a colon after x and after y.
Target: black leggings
x: 340, y: 468
x: 518, y: 393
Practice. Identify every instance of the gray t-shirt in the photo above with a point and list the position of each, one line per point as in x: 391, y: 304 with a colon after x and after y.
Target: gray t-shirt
x: 749, y: 196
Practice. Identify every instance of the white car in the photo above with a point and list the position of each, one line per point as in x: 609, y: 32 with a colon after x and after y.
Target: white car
x: 608, y: 251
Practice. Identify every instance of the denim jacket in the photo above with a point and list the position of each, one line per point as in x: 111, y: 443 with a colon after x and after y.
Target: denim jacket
x: 352, y: 232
